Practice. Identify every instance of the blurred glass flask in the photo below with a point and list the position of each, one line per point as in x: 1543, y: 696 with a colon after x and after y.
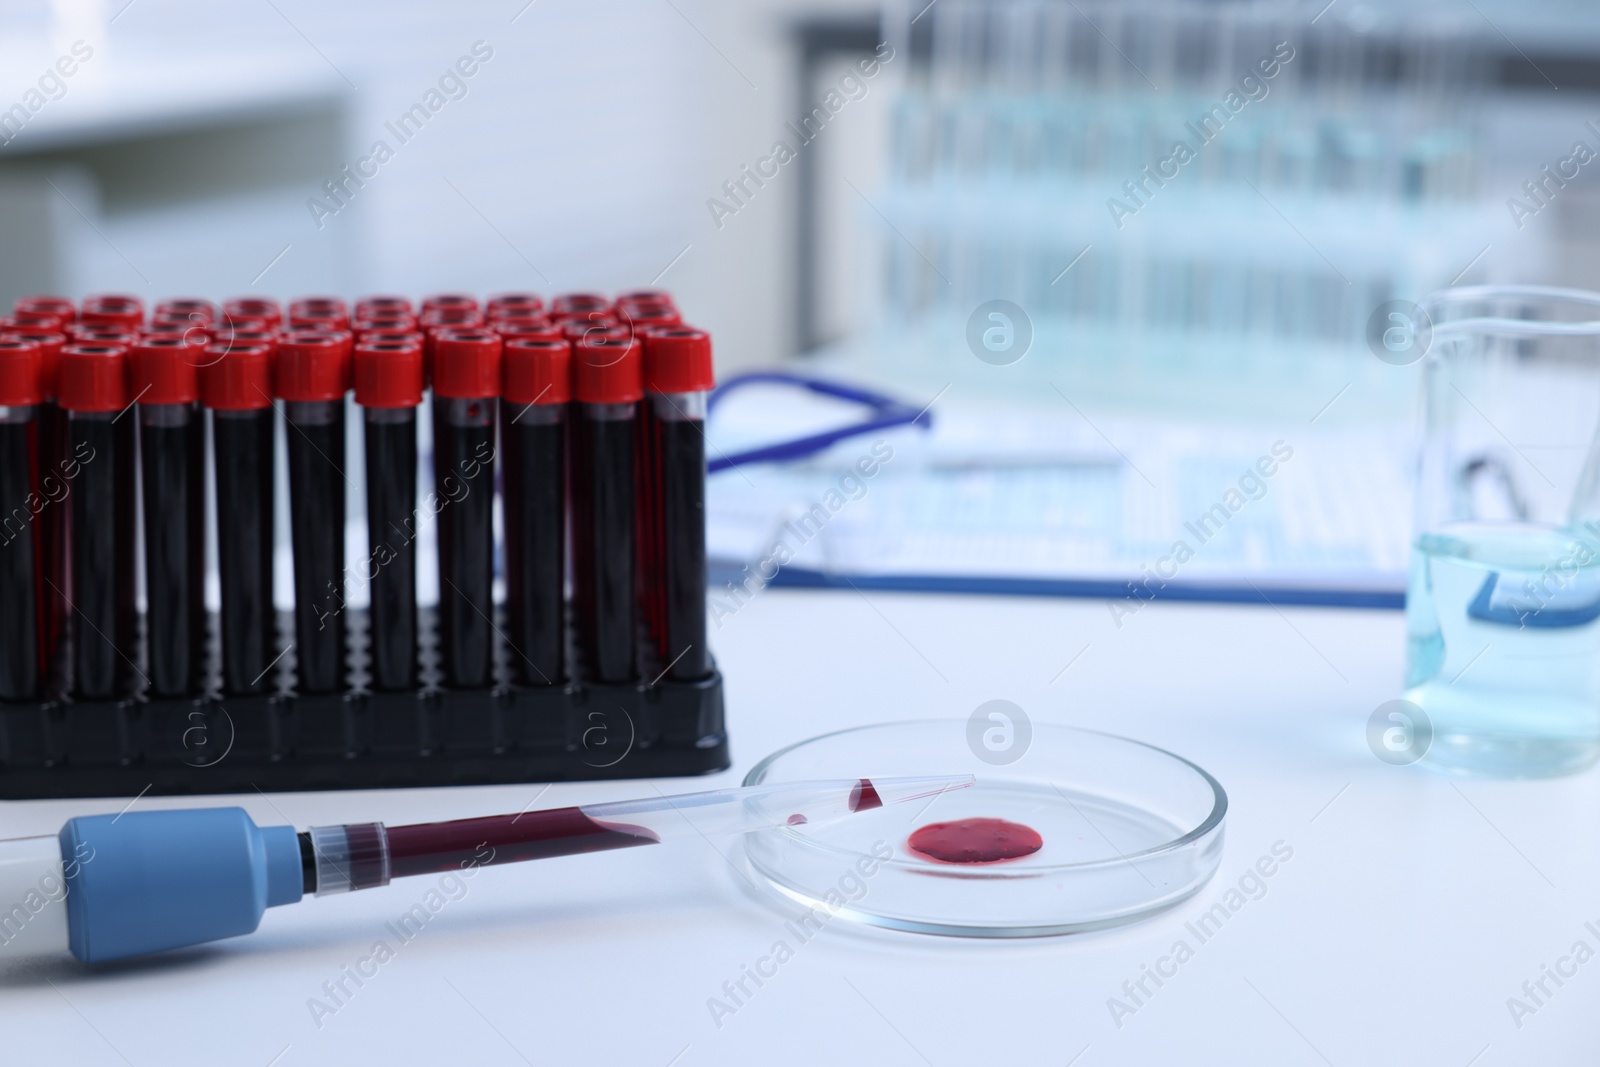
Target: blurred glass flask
x: 1503, y: 607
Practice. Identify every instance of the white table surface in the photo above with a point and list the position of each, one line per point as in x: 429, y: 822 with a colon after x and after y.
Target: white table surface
x: 1414, y: 905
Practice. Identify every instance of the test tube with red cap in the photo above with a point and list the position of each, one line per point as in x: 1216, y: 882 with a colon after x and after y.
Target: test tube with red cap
x: 607, y: 384
x: 236, y: 386
x: 313, y: 374
x: 164, y: 374
x: 449, y: 316
x: 93, y: 387
x: 388, y: 386
x: 533, y: 431
x: 52, y: 488
x: 678, y: 378
x: 21, y: 537
x: 466, y: 383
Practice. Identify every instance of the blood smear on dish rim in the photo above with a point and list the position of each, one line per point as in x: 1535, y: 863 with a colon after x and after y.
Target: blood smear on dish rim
x: 975, y: 841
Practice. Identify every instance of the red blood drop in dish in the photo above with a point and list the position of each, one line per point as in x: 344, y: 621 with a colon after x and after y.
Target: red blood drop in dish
x: 797, y: 820
x: 864, y: 797
x: 976, y: 841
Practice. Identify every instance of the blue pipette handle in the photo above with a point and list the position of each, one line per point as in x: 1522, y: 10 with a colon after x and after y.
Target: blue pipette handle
x: 112, y: 886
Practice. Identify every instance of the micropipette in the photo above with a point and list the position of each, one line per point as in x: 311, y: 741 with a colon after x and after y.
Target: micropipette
x: 113, y: 886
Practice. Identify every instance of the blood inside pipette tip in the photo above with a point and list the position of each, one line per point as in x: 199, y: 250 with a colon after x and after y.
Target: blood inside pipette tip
x: 863, y: 797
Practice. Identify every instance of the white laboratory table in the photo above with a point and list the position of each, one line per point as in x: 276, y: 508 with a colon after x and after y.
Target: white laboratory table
x: 1413, y: 908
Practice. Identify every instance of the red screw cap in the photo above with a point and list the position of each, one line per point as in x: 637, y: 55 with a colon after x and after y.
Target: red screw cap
x: 643, y: 317
x: 517, y: 314
x: 539, y: 327
x: 389, y: 373
x: 191, y: 308
x: 195, y: 333
x: 48, y: 305
x: 608, y: 369
x: 236, y: 377
x: 50, y: 345
x: 677, y: 359
x: 317, y: 303
x: 449, y: 300
x: 377, y: 307
x: 228, y: 324
x: 27, y: 318
x: 514, y: 304
x: 466, y: 364
x: 93, y: 377
x: 647, y: 296
x: 223, y: 342
x: 450, y: 316
x: 386, y: 322
x: 578, y: 327
x: 113, y: 309
x: 165, y: 370
x: 100, y: 334
x: 313, y: 365
x: 318, y: 316
x: 253, y: 307
x: 387, y: 337
x: 577, y: 304
x: 21, y: 372
x: 537, y: 371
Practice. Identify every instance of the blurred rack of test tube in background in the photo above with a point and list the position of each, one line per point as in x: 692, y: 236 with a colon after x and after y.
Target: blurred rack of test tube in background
x: 1327, y: 168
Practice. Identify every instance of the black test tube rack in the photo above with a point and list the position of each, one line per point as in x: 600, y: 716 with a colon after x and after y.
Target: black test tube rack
x: 356, y: 735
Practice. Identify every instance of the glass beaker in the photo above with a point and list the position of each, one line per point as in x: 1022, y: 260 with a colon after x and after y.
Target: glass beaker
x: 1503, y: 604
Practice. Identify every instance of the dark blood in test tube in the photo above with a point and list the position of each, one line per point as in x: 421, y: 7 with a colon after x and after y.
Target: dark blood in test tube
x: 533, y: 429
x: 21, y: 587
x: 236, y: 384
x: 678, y: 376
x: 93, y: 381
x: 164, y: 375
x: 53, y: 486
x: 313, y: 374
x: 388, y: 386
x: 608, y: 386
x: 466, y: 383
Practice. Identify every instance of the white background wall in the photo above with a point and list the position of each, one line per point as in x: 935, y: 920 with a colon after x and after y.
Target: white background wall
x: 582, y: 155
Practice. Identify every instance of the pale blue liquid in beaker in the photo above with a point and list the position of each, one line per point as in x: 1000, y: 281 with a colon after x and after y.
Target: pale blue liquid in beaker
x: 1503, y: 646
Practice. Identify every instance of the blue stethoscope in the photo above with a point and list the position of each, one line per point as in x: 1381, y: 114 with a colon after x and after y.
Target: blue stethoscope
x: 884, y: 412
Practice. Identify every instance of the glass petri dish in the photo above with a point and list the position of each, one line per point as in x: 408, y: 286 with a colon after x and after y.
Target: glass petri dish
x: 1128, y: 830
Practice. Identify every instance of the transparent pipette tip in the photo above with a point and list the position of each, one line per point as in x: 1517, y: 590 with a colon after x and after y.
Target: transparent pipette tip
x: 900, y: 790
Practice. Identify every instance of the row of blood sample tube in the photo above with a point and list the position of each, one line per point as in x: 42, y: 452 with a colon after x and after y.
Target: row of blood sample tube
x: 588, y: 413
